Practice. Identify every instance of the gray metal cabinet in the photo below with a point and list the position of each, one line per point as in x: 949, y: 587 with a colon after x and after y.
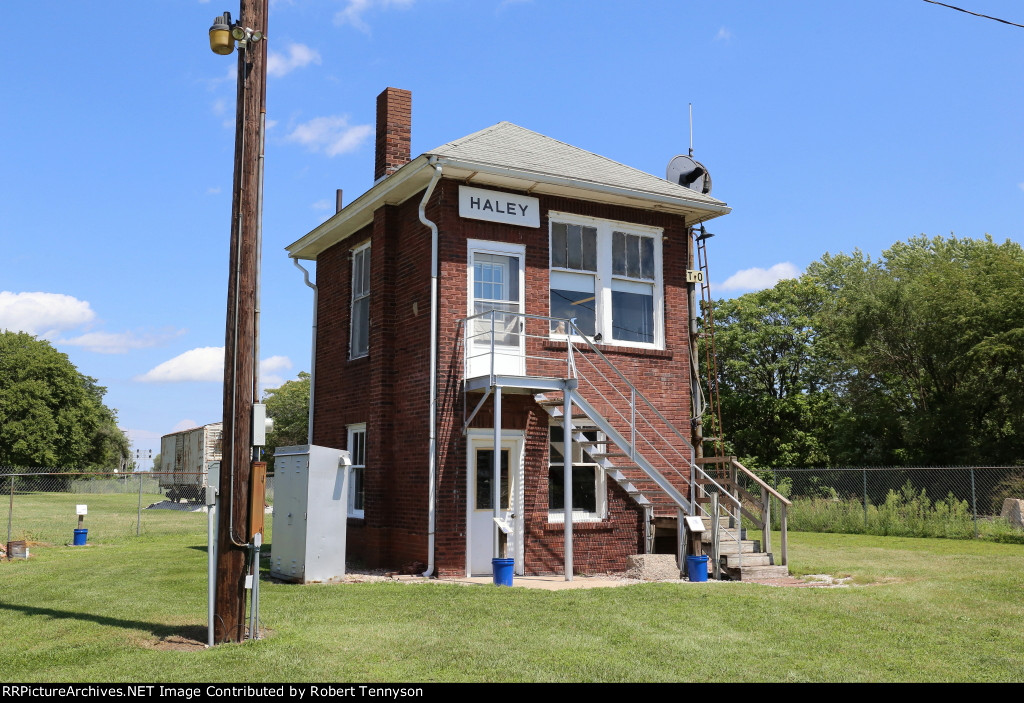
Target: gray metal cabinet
x: 310, y: 514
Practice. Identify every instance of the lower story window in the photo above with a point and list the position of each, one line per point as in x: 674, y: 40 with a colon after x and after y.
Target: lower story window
x: 588, y: 482
x: 357, y: 488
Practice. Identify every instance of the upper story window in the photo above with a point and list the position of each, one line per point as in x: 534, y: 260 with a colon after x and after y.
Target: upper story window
x: 608, y: 276
x: 359, y: 340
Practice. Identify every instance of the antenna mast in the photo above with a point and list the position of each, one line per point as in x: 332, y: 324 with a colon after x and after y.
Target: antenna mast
x: 691, y: 129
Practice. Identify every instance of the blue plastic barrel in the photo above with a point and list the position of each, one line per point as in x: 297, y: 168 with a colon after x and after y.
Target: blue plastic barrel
x: 503, y: 570
x: 697, y: 568
x: 80, y: 537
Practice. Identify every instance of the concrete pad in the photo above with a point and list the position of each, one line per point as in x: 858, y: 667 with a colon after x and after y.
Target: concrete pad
x: 652, y: 567
x: 549, y: 583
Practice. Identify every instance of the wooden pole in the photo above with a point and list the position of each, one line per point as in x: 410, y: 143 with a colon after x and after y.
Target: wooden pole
x: 240, y: 333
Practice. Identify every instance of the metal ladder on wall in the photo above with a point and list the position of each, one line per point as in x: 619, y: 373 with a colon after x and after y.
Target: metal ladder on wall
x: 713, y: 403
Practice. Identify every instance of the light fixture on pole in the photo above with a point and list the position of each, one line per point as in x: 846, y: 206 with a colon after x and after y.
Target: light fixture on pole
x: 224, y: 34
x: 220, y: 35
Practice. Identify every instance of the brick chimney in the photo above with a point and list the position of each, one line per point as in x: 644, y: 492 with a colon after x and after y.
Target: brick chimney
x: 394, y: 127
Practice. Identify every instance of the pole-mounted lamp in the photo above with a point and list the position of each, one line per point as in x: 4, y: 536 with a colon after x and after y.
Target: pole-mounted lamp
x: 224, y: 34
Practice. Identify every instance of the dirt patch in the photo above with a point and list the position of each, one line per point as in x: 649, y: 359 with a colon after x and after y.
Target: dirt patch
x: 191, y: 638
x: 809, y: 581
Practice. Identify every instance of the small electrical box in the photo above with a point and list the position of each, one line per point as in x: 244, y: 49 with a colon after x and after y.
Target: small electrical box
x: 257, y: 498
x: 259, y: 425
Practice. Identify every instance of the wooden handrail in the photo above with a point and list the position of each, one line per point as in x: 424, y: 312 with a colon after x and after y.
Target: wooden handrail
x: 758, y: 481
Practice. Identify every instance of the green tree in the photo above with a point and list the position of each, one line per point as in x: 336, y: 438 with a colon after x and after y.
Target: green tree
x: 777, y: 376
x: 915, y: 358
x: 288, y: 405
x: 934, y: 332
x: 51, y: 415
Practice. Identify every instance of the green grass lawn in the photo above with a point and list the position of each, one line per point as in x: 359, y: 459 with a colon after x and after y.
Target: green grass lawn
x: 923, y: 610
x: 49, y: 518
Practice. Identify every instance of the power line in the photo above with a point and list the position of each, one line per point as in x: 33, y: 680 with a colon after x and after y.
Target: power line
x: 976, y: 14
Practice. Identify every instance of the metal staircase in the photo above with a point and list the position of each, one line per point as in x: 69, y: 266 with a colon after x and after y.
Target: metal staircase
x: 638, y: 447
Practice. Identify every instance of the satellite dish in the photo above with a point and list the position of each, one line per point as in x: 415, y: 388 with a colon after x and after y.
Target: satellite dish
x: 689, y: 173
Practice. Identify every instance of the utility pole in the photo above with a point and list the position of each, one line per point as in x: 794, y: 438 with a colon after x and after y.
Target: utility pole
x: 235, y: 548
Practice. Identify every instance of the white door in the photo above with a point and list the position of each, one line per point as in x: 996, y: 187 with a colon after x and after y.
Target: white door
x: 496, y: 293
x: 480, y: 485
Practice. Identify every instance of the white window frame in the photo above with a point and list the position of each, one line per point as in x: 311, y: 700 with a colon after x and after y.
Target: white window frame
x: 353, y: 430
x: 557, y: 515
x: 358, y: 252
x: 604, y: 277
x: 483, y: 246
x: 509, y: 359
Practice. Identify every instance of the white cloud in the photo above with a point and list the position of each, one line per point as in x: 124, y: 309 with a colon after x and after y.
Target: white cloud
x: 759, y: 278
x: 353, y: 12
x: 207, y: 364
x: 1021, y: 186
x: 200, y: 364
x: 323, y: 204
x: 43, y: 314
x: 119, y: 342
x: 186, y: 424
x: 268, y: 368
x: 299, y: 55
x: 220, y: 106
x: 331, y: 134
x: 215, y: 190
x: 723, y: 34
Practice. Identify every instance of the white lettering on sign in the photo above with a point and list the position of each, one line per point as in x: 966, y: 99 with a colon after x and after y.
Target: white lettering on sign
x: 494, y: 206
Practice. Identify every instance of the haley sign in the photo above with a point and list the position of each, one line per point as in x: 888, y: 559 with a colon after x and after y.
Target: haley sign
x: 494, y: 206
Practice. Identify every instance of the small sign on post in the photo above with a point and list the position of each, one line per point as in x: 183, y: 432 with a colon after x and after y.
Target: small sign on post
x: 81, y: 533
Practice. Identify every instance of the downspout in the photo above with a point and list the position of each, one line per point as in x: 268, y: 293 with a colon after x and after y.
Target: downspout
x: 432, y: 461
x: 312, y: 354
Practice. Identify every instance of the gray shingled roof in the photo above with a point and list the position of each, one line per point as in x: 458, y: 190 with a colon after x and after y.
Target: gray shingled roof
x: 506, y: 145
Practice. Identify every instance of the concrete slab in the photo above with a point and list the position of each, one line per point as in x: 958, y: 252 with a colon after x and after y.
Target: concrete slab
x: 550, y: 583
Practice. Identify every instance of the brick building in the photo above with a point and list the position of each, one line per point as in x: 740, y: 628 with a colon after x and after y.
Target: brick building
x: 506, y: 275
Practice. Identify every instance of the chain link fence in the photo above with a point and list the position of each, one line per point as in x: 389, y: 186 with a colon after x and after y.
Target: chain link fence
x: 41, y: 509
x: 953, y: 502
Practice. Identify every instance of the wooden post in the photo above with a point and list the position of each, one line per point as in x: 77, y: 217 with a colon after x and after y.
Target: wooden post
x: 766, y: 515
x: 240, y: 333
x: 782, y: 515
x: 716, y: 561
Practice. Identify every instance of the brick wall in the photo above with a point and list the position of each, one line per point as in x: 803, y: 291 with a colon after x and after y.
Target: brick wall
x: 389, y: 389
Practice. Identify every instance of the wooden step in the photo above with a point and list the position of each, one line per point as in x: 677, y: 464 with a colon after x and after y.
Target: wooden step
x: 727, y: 546
x: 724, y: 533
x: 757, y: 572
x: 732, y: 561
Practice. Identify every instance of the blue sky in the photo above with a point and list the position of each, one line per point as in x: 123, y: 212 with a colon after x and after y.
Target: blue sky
x: 827, y: 126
